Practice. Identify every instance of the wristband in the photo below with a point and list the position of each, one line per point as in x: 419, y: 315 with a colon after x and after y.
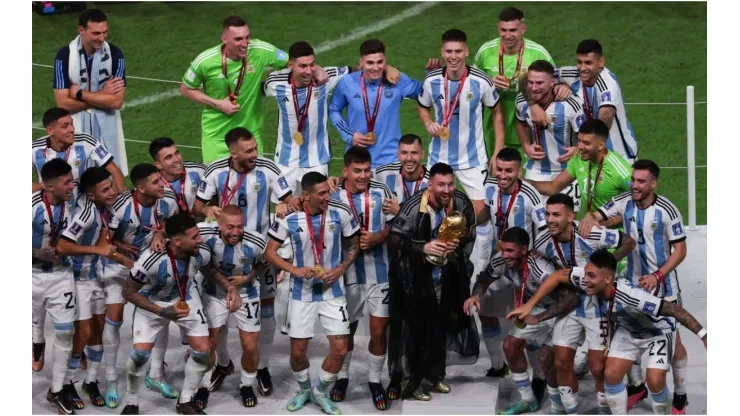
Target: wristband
x: 701, y: 334
x: 659, y: 275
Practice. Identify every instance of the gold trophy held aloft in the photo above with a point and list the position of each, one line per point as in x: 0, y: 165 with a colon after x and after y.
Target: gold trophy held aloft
x: 453, y: 226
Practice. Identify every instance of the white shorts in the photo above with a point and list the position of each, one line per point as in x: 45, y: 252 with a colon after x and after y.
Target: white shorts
x: 114, y: 278
x: 147, y: 325
x: 375, y: 296
x: 301, y: 316
x: 572, y: 190
x: 247, y: 317
x: 268, y: 283
x: 568, y: 330
x: 498, y: 300
x: 294, y: 175
x: 473, y: 181
x: 659, y: 348
x: 90, y: 298
x: 537, y: 335
x: 53, y: 292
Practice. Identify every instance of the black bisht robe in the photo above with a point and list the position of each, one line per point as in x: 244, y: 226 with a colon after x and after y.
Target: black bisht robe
x: 423, y: 330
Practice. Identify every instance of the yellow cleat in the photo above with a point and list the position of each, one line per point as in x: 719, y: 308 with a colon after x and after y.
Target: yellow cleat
x: 442, y: 387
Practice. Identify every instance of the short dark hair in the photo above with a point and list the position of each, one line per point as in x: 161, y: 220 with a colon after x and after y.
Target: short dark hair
x: 311, y: 179
x: 236, y: 134
x: 142, y: 171
x: 563, y: 199
x: 588, y: 46
x: 410, y: 138
x: 454, y: 35
x: 91, y: 15
x: 516, y: 235
x: 602, y: 258
x: 158, y: 144
x: 510, y: 14
x: 440, y: 168
x: 93, y: 176
x: 542, y: 66
x: 299, y: 50
x: 595, y: 126
x: 52, y: 115
x: 648, y: 164
x: 357, y: 154
x: 234, y: 21
x: 178, y: 224
x: 371, y: 46
x: 509, y: 154
x: 54, y: 168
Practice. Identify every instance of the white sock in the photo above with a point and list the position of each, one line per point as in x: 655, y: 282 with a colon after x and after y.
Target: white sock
x: 344, y: 371
x: 94, y: 357
x: 616, y: 395
x: 248, y: 378
x: 222, y: 349
x: 111, y: 342
x: 555, y: 402
x: 267, y: 335
x: 601, y: 399
x: 134, y: 373
x: 194, y: 372
x: 493, y: 345
x: 60, y: 354
x: 533, y: 355
x: 158, y: 352
x: 303, y: 378
x: 324, y: 381
x: 660, y: 401
x: 634, y: 376
x: 376, y: 367
x: 570, y: 399
x: 524, y: 386
x: 37, y: 331
x: 679, y: 375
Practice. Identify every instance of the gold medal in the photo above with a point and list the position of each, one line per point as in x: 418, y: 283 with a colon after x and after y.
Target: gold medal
x: 444, y: 133
x: 498, y: 246
x: 519, y: 323
x: 371, y: 136
x: 182, y: 305
x: 319, y: 270
x: 298, y: 138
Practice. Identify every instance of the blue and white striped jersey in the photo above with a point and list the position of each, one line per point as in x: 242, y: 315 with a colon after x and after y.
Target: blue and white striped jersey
x: 253, y: 196
x: 194, y: 173
x: 635, y: 310
x: 371, y: 266
x: 154, y: 271
x: 565, y: 119
x: 466, y: 147
x: 236, y: 260
x: 605, y: 93
x: 390, y: 175
x: 339, y: 223
x: 85, y: 229
x: 527, y: 211
x: 42, y: 227
x: 538, y: 269
x: 316, y: 149
x: 576, y: 253
x: 655, y: 229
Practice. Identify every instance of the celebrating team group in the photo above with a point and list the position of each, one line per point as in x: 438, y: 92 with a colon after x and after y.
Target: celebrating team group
x: 556, y: 210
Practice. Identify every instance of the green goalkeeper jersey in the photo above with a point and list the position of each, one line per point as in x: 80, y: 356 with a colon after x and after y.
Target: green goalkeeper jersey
x: 487, y: 60
x: 614, y: 179
x: 206, y: 71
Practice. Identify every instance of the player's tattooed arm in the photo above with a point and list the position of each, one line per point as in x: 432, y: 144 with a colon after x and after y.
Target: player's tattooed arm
x: 350, y: 248
x: 567, y: 301
x: 682, y: 316
x: 131, y: 294
x: 484, y: 279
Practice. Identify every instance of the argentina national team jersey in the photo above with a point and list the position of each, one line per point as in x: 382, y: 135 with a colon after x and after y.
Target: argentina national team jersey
x: 371, y: 266
x: 466, y: 146
x: 606, y: 92
x: 153, y: 270
x: 390, y: 175
x: 581, y: 251
x: 339, y: 223
x: 655, y: 229
x: 254, y: 193
x: 527, y: 211
x: 635, y: 310
x: 194, y: 173
x: 564, y: 121
x: 41, y: 226
x: 236, y: 260
x: 539, y: 269
x: 85, y: 230
x: 316, y: 149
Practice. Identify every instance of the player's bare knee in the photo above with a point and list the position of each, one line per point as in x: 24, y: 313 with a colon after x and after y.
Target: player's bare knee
x: 114, y: 312
x: 513, y: 346
x: 547, y: 358
x: 596, y: 364
x: 655, y: 379
x: 613, y: 374
x: 339, y: 346
x: 563, y: 359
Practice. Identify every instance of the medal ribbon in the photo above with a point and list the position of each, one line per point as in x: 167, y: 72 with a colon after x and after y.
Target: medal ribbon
x: 104, y: 219
x: 365, y: 214
x: 232, y: 96
x: 609, y: 317
x: 587, y: 108
x: 591, y: 192
x: 417, y: 186
x: 66, y: 152
x: 300, y: 116
x: 226, y: 195
x: 181, y: 287
x: 316, y: 246
x: 55, y: 228
x: 181, y: 196
x: 518, y: 59
x: 371, y: 119
x: 525, y: 274
x: 448, y: 110
x: 501, y: 218
x: 538, y: 130
x: 572, y: 249
x: 137, y: 210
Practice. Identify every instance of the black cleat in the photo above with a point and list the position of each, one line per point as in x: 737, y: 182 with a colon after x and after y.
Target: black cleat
x: 219, y: 374
x: 380, y: 398
x: 70, y: 392
x: 130, y: 409
x: 92, y: 390
x: 60, y: 402
x: 189, y: 408
x: 679, y: 404
x: 394, y: 388
x: 264, y: 382
x: 248, y: 397
x: 37, y: 364
x: 500, y: 373
x: 200, y: 399
x: 539, y: 387
x: 339, y: 391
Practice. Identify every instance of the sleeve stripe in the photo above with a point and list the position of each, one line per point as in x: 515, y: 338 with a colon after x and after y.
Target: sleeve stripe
x: 575, y: 105
x: 86, y: 212
x: 623, y: 195
x: 268, y: 164
x: 255, y: 240
x: 600, y: 84
x: 667, y: 206
x: 153, y: 258
x: 204, y: 56
x: 626, y: 298
x: 393, y: 166
x: 219, y: 164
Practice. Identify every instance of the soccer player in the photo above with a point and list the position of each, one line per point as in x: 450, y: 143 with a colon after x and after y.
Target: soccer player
x: 302, y: 135
x: 601, y: 174
x: 657, y: 226
x: 90, y: 83
x: 159, y: 285
x: 548, y: 149
x: 504, y: 59
x: 561, y: 244
x: 407, y: 176
x: 366, y: 280
x: 53, y: 284
x: 517, y: 266
x: 644, y: 323
x: 88, y: 241
x: 234, y: 252
x: 183, y: 178
x: 509, y: 202
x: 373, y: 98
x: 241, y: 61
x: 316, y: 287
x: 81, y: 151
x: 602, y: 97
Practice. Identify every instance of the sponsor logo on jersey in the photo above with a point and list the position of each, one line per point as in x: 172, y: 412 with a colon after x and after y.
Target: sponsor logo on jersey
x: 606, y: 96
x: 677, y: 229
x: 388, y: 93
x: 283, y: 183
x: 357, y: 96
x: 648, y: 307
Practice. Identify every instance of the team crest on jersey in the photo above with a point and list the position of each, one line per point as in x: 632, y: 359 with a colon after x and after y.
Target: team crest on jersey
x: 515, y: 209
x: 250, y: 69
x: 333, y: 227
x: 78, y: 163
x: 316, y: 94
x: 388, y: 93
x: 373, y: 204
x: 194, y: 188
x: 654, y: 225
x: 606, y: 96
x: 677, y: 229
x: 256, y: 187
x: 551, y: 118
x: 648, y: 307
x: 469, y: 96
